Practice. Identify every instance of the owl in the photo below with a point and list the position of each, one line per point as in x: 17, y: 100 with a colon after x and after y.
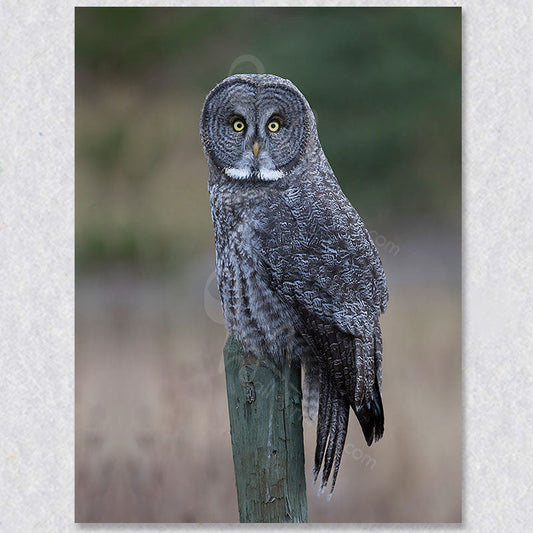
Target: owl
x: 299, y: 276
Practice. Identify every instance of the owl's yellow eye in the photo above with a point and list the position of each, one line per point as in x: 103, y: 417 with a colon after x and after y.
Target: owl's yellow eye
x: 238, y: 125
x: 273, y: 126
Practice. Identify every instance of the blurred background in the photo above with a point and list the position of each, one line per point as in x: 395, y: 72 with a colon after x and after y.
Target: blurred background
x: 152, y: 428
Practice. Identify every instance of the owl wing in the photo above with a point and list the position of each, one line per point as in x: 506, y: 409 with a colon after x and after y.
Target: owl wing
x: 319, y: 258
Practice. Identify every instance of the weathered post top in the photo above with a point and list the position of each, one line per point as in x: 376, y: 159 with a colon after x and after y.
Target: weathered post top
x: 265, y: 412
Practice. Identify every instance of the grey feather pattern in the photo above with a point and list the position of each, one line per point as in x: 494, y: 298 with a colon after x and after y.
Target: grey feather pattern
x: 298, y: 273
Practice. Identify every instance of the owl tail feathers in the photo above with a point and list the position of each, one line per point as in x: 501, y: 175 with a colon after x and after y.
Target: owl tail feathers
x: 371, y: 418
x: 333, y: 414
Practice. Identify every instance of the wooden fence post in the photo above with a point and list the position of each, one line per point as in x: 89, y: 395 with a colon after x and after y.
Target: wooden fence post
x: 265, y: 411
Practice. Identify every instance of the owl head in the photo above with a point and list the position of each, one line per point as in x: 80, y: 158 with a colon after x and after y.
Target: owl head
x: 256, y: 127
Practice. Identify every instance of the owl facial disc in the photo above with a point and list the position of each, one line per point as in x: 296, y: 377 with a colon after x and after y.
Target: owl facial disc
x: 255, y: 127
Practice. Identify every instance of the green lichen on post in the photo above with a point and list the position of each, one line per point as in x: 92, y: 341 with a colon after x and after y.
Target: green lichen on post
x: 265, y: 411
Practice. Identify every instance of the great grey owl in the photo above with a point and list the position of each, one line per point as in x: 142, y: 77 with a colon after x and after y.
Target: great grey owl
x: 298, y: 274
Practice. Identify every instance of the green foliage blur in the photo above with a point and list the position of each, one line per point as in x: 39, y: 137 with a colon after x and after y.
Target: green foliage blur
x: 384, y: 83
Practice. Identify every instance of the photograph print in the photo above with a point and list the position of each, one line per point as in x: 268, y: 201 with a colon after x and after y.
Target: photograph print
x: 268, y: 265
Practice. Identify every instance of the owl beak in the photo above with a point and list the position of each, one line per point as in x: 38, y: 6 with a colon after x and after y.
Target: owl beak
x: 255, y: 148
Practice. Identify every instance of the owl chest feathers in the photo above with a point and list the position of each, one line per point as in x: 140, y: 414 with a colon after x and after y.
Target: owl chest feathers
x: 253, y: 312
x: 317, y: 254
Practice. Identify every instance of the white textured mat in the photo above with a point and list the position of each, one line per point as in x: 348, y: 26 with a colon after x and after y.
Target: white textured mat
x: 37, y: 265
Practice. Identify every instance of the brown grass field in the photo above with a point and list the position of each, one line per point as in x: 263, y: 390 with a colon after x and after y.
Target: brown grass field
x: 152, y: 428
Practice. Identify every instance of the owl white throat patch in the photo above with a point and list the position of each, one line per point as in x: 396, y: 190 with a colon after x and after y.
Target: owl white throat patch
x: 263, y: 174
